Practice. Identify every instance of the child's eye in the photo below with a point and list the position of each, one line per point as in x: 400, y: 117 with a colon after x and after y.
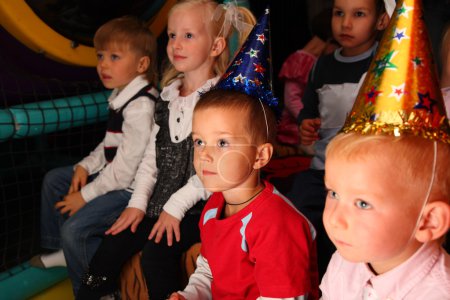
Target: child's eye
x: 360, y: 14
x: 362, y: 204
x: 222, y: 143
x: 338, y: 13
x: 114, y: 57
x: 171, y: 35
x: 99, y: 56
x: 188, y: 35
x: 333, y: 195
x: 198, y: 143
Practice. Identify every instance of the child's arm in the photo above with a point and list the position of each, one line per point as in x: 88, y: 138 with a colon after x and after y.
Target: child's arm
x: 73, y: 201
x: 186, y: 197
x: 95, y: 161
x: 79, y: 179
x: 176, y: 296
x: 309, y: 131
x: 309, y: 117
x: 136, y: 128
x: 70, y: 204
x: 294, y: 73
x: 145, y: 182
x: 175, y: 209
x: 169, y: 223
x: 130, y: 217
x: 199, y: 286
x: 293, y: 93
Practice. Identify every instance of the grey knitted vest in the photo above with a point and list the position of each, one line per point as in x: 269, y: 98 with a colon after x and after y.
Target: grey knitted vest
x: 174, y: 162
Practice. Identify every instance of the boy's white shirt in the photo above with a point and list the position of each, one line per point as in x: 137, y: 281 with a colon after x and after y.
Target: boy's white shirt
x: 199, y: 286
x: 146, y: 175
x: 137, y: 126
x: 186, y: 197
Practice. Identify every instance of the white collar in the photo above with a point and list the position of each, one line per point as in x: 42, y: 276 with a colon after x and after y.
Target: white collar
x: 118, y: 99
x: 171, y: 92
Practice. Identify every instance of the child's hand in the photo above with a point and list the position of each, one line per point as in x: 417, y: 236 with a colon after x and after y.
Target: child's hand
x: 176, y: 296
x: 79, y: 179
x: 70, y: 203
x: 309, y: 131
x: 130, y: 216
x: 166, y: 222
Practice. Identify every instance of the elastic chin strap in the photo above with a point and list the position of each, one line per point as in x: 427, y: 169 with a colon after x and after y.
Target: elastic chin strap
x: 265, y: 119
x: 427, y: 196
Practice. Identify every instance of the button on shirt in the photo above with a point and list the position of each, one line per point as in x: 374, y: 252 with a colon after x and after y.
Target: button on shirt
x: 369, y: 293
x: 182, y: 108
x: 425, y: 275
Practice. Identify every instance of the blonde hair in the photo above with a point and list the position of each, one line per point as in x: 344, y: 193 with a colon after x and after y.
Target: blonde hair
x: 215, y: 29
x: 412, y: 155
x: 129, y: 31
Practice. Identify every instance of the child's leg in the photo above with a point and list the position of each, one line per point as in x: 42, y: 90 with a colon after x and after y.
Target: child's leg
x: 106, y: 265
x: 161, y: 263
x: 83, y: 232
x: 55, y: 185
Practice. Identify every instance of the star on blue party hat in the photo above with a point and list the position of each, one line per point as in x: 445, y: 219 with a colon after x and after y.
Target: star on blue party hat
x: 250, y: 72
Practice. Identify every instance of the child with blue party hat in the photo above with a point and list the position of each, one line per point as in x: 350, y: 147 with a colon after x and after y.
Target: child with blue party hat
x: 255, y: 244
x: 388, y: 204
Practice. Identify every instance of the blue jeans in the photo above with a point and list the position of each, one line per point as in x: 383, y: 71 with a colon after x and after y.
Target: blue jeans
x: 79, y: 235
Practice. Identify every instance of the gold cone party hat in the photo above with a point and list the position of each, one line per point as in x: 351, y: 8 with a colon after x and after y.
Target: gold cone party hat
x: 400, y: 94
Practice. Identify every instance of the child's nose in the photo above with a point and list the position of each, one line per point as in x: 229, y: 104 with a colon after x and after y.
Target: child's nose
x: 336, y: 216
x: 176, y: 43
x: 205, y: 153
x: 103, y: 63
x: 346, y: 22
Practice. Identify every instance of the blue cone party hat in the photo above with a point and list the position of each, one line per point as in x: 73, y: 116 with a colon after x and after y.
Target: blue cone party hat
x: 250, y: 71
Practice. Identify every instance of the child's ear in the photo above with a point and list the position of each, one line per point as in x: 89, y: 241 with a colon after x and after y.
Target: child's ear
x: 435, y: 222
x: 144, y: 63
x: 383, y: 21
x: 218, y: 46
x: 263, y: 155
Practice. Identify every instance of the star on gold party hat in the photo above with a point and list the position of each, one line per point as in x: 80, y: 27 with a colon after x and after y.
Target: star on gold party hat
x: 400, y: 94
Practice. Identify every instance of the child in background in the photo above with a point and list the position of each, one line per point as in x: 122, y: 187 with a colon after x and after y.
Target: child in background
x: 294, y: 73
x: 388, y: 204
x: 254, y: 242
x: 198, y: 32
x: 329, y: 97
x: 445, y: 85
x: 79, y: 203
x: 445, y: 74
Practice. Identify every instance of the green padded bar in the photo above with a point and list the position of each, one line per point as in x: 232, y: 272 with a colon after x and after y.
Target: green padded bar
x: 24, y: 281
x: 37, y: 118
